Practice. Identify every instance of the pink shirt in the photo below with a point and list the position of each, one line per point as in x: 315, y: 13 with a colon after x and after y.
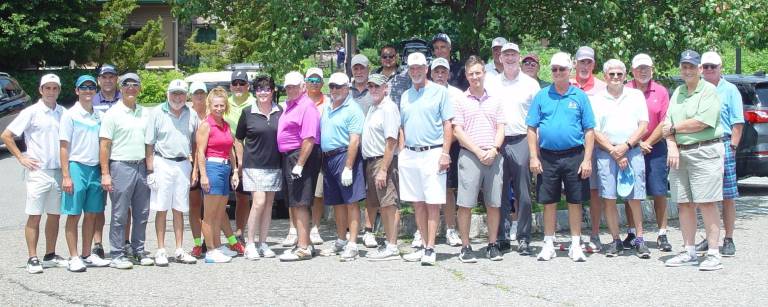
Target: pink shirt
x: 299, y: 121
x: 657, y: 100
x: 479, y: 117
x: 591, y: 87
x: 219, y: 139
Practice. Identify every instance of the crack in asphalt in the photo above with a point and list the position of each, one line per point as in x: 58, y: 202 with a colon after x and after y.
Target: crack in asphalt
x: 48, y: 293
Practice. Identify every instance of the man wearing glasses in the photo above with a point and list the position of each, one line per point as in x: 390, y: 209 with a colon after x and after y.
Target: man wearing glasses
x: 516, y: 91
x: 124, y: 172
x: 560, y: 139
x: 239, y: 100
x: 531, y: 68
x: 732, y: 119
x: 314, y: 82
x: 388, y: 58
x: 495, y: 67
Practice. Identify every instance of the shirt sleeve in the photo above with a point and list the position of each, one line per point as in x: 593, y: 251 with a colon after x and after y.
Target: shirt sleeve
x: 391, y: 121
x: 65, y: 127
x: 446, y: 107
x: 664, y: 101
x: 310, y: 124
x: 356, y: 120
x: 107, y: 129
x: 642, y: 107
x: 21, y: 122
x: 587, y: 116
x: 708, y: 111
x: 150, y: 133
x: 534, y: 112
x: 242, y: 127
x: 458, y: 112
x: 737, y: 107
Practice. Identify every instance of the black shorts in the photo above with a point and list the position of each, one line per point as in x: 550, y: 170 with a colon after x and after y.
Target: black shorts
x: 452, y: 178
x: 561, y: 169
x: 300, y: 192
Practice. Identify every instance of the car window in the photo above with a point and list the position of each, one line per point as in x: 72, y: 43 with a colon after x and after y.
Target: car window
x: 761, y: 93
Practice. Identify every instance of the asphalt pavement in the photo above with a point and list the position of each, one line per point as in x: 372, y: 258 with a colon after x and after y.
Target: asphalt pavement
x: 324, y: 281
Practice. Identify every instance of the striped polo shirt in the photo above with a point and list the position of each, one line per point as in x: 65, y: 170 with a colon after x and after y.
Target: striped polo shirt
x: 479, y: 117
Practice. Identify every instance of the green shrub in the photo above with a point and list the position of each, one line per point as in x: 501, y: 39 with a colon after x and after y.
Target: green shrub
x: 154, y: 83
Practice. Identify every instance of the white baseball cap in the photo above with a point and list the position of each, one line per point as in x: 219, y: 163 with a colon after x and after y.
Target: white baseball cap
x: 642, y: 59
x: 197, y: 86
x: 177, y: 85
x: 314, y: 71
x: 50, y: 78
x: 360, y: 59
x: 711, y: 57
x: 416, y: 58
x: 498, y: 42
x: 339, y: 78
x: 510, y: 46
x: 293, y: 78
x: 561, y: 59
x: 585, y: 52
x: 440, y: 62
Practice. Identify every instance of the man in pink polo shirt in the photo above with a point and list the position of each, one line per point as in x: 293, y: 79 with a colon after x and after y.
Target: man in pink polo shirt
x: 655, y: 152
x: 298, y: 130
x: 585, y: 80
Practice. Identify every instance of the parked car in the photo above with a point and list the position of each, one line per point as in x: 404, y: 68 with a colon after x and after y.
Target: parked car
x: 752, y: 153
x: 13, y: 99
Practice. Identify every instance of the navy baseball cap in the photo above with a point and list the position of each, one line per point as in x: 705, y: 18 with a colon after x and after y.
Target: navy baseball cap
x: 107, y: 69
x: 691, y: 57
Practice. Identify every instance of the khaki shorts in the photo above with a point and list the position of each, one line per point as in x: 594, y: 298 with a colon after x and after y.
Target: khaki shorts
x: 319, y: 187
x: 699, y: 176
x: 387, y: 196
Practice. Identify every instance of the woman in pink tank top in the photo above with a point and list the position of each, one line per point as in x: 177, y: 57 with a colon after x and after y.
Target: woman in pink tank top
x: 214, y: 154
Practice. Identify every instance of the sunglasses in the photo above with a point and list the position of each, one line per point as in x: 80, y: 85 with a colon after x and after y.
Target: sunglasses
x: 530, y: 63
x: 263, y: 89
x: 560, y: 69
x: 239, y: 83
x: 314, y: 80
x: 387, y: 56
x: 336, y: 86
x: 87, y: 87
x: 616, y: 74
x: 709, y: 66
x: 131, y: 84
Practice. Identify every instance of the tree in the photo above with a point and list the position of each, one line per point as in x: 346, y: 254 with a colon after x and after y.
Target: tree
x: 137, y: 49
x: 46, y: 32
x: 127, y: 53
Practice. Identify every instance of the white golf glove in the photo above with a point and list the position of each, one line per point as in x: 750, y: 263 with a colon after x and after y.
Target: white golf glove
x: 152, y: 182
x: 346, y: 177
x: 296, y: 171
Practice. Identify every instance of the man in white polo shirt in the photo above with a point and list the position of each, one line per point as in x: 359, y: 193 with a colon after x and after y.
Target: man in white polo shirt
x: 495, y: 67
x: 169, y: 142
x: 39, y: 124
x: 81, y: 178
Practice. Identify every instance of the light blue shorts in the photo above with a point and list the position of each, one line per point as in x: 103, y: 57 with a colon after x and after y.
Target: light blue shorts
x: 88, y: 195
x: 608, y: 172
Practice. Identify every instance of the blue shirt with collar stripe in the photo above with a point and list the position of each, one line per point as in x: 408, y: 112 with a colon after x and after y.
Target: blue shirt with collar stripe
x: 561, y: 119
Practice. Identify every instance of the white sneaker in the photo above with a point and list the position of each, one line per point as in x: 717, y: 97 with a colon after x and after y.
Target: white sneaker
x: 122, y: 263
x: 251, y: 253
x: 291, y: 239
x: 183, y: 256
x: 297, y: 254
x: 349, y: 253
x: 95, y: 261
x: 384, y: 253
x: 369, y: 240
x: 55, y: 262
x: 314, y: 236
x: 414, y: 256
x: 146, y: 261
x: 216, y: 256
x: 452, y: 237
x: 547, y: 253
x: 429, y: 258
x: 417, y: 242
x: 34, y: 266
x: 576, y: 253
x: 682, y: 259
x: 513, y: 231
x: 224, y: 249
x: 75, y: 264
x: 337, y: 248
x: 265, y: 252
x: 161, y: 258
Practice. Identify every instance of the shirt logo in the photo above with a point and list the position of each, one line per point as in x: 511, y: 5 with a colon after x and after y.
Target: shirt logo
x: 572, y: 105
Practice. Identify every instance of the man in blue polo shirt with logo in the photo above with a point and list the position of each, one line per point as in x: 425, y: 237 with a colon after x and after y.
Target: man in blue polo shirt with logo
x: 426, y: 112
x: 560, y: 139
x: 343, y: 184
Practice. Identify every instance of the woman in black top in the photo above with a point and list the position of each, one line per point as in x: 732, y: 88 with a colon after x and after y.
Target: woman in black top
x: 262, y: 175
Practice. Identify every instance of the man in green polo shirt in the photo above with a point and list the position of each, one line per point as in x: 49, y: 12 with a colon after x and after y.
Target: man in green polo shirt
x: 695, y: 158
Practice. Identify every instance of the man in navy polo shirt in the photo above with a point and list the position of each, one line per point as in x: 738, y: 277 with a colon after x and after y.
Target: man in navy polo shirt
x: 343, y: 184
x: 560, y: 139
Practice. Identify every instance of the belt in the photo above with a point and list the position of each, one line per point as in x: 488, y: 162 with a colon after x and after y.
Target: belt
x: 217, y: 160
x: 373, y: 158
x: 423, y: 148
x: 576, y: 149
x: 513, y: 138
x: 698, y: 144
x: 334, y: 152
x: 175, y: 159
x: 129, y: 161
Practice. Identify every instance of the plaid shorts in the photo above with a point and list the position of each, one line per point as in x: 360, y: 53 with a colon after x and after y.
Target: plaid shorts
x: 262, y: 180
x: 730, y: 187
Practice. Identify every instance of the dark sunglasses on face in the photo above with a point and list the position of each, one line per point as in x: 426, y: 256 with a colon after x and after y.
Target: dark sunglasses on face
x: 616, y: 74
x: 709, y: 66
x: 131, y: 84
x: 335, y: 86
x: 560, y: 69
x: 530, y: 63
x: 387, y: 56
x: 314, y: 80
x: 87, y: 87
x: 239, y: 83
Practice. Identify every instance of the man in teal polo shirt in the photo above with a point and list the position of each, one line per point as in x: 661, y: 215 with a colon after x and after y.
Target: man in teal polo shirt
x: 693, y: 130
x: 560, y: 139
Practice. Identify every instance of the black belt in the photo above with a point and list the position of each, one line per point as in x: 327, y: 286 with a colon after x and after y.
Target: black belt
x: 175, y: 159
x: 129, y: 161
x: 698, y: 144
x: 334, y: 152
x: 423, y: 148
x: 513, y: 138
x: 576, y: 149
x: 373, y: 158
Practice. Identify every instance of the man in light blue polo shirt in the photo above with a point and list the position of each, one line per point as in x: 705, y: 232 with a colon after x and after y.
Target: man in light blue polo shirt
x: 732, y: 119
x: 343, y: 183
x: 560, y: 123
x: 426, y: 112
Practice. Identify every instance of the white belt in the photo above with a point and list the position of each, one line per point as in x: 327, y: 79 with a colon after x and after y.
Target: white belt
x: 217, y: 160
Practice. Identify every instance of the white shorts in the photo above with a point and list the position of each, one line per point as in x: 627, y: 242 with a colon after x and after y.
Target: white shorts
x: 173, y: 179
x: 419, y: 179
x: 43, y: 191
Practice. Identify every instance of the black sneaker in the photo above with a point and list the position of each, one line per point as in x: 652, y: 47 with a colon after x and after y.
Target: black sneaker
x: 493, y: 252
x: 614, y: 249
x: 642, y: 251
x: 629, y: 241
x: 98, y: 250
x: 729, y: 249
x: 702, y: 246
x: 663, y: 243
x: 504, y: 245
x: 467, y: 255
x: 523, y: 248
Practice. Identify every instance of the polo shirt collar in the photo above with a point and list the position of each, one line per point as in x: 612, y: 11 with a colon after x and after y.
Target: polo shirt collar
x: 121, y: 106
x: 78, y: 109
x: 699, y: 88
x: 482, y: 98
x: 166, y: 107
x: 571, y: 89
x: 292, y: 102
x: 118, y: 96
x: 587, y: 86
x: 255, y: 109
x: 57, y: 109
x: 343, y: 104
x: 505, y: 79
x: 610, y: 97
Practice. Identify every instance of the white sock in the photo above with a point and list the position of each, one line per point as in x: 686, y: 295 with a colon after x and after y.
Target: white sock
x: 662, y: 231
x: 292, y: 231
x: 514, y: 225
x: 342, y: 242
x: 714, y: 252
x: 691, y: 250
x: 575, y: 240
x: 631, y: 230
x: 392, y: 247
x: 549, y: 241
x: 352, y: 244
